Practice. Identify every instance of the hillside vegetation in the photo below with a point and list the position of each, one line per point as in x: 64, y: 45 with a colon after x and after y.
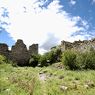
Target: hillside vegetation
x: 50, y: 80
x: 71, y: 72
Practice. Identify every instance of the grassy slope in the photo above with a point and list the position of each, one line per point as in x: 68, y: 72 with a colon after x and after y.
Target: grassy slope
x: 26, y: 81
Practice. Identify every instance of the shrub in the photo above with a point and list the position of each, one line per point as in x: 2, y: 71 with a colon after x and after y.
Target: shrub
x: 90, y: 60
x: 79, y: 60
x: 69, y: 59
x: 86, y: 60
x: 50, y: 57
x: 43, y: 61
x: 3, y: 59
x: 56, y: 55
x: 34, y: 60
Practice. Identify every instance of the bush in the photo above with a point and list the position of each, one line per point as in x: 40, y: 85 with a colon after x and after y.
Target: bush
x: 43, y: 61
x: 3, y: 59
x: 80, y: 60
x: 56, y: 55
x: 69, y: 60
x: 74, y: 60
x: 86, y: 60
x: 90, y: 60
x: 50, y: 57
x: 34, y: 60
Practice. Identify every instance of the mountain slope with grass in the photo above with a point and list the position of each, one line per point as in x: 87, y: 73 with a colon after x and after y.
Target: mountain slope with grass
x: 50, y: 80
x: 57, y: 72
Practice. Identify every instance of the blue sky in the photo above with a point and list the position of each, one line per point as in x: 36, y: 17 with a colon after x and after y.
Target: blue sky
x: 85, y: 9
x: 46, y: 22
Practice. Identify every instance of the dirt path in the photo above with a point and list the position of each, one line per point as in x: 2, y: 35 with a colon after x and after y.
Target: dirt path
x: 42, y: 78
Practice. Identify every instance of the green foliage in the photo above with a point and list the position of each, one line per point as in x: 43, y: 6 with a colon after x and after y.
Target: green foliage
x: 69, y: 59
x: 27, y: 81
x: 86, y: 59
x: 43, y: 61
x: 34, y: 60
x: 79, y: 60
x: 54, y: 55
x: 50, y: 57
x: 2, y: 59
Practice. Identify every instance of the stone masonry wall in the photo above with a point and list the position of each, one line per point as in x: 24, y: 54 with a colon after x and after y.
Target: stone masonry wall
x: 21, y: 55
x: 78, y: 45
x: 33, y: 49
x: 4, y: 49
x: 19, y: 52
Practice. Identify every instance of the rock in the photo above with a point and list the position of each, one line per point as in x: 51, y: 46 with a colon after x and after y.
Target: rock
x: 64, y: 88
x: 90, y: 83
x: 42, y: 77
x: 61, y: 77
x: 86, y: 86
x: 8, y: 90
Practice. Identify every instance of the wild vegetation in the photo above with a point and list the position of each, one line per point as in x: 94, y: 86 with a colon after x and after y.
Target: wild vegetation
x: 55, y: 73
x: 48, y: 80
x: 71, y: 59
x: 76, y: 60
x: 45, y: 81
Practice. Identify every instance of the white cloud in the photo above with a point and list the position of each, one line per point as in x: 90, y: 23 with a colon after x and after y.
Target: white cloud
x: 72, y: 2
x: 93, y: 1
x: 33, y: 24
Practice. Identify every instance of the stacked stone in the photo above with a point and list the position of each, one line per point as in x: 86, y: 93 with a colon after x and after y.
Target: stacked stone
x: 19, y: 53
x: 78, y: 45
x: 4, y: 49
x: 33, y: 49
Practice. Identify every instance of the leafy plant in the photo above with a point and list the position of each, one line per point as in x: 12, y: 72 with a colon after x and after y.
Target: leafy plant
x: 2, y: 59
x: 69, y: 59
x: 34, y: 60
x: 53, y: 56
x: 79, y: 60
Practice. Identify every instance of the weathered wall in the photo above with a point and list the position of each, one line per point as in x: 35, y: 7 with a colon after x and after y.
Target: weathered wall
x: 4, y: 49
x: 33, y: 49
x: 78, y: 45
x: 19, y: 52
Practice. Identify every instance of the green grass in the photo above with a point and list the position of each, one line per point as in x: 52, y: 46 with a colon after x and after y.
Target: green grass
x: 25, y: 81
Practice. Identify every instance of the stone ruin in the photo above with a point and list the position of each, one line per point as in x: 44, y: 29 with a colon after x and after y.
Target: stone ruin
x: 33, y: 49
x: 21, y: 55
x: 4, y: 49
x: 78, y: 45
x: 19, y: 52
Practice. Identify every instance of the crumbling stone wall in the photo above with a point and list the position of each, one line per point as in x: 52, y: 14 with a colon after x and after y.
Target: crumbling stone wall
x: 4, y: 49
x: 78, y: 45
x: 33, y: 49
x: 19, y: 52
x: 66, y: 45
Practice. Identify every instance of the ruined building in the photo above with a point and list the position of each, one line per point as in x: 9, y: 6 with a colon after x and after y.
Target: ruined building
x: 21, y: 55
x: 33, y: 49
x: 19, y: 52
x: 4, y: 49
x: 78, y: 45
